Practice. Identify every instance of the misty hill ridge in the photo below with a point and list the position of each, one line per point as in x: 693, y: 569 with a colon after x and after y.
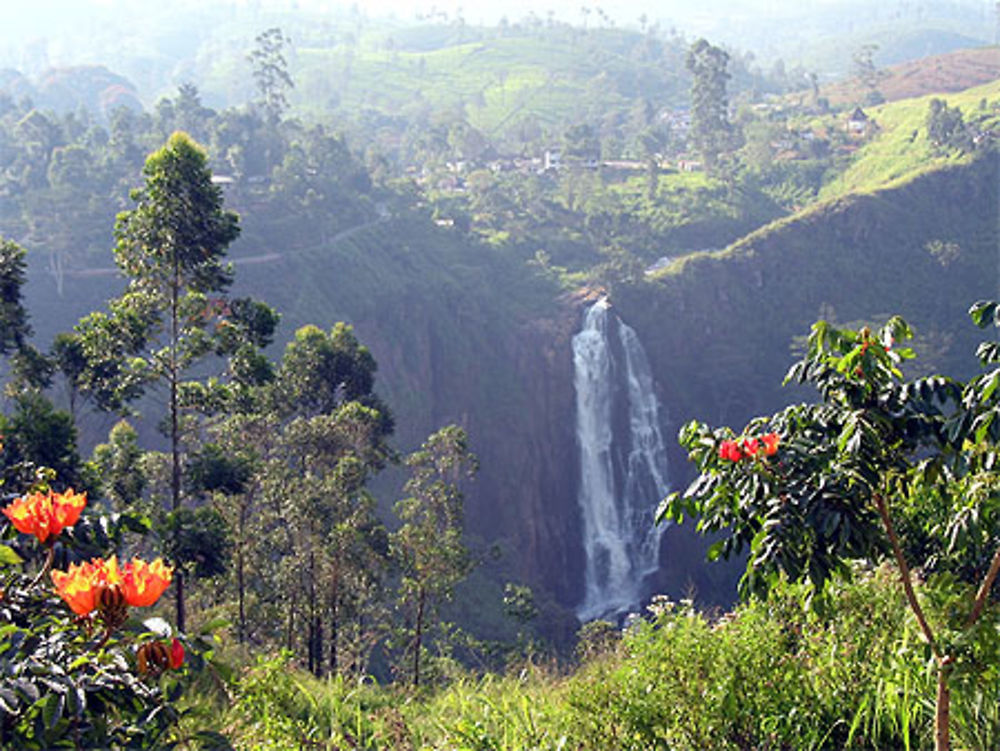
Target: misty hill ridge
x: 946, y: 73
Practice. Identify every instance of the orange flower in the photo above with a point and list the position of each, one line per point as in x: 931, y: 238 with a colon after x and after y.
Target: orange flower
x: 143, y: 583
x: 771, y: 441
x: 139, y: 583
x: 45, y: 515
x: 82, y: 584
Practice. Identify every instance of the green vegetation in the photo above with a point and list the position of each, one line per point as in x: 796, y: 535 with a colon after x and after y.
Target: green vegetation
x: 903, y: 147
x: 876, y: 447
x: 770, y: 673
x: 459, y: 234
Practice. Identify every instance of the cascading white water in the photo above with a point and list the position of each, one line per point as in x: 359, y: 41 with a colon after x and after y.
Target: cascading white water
x: 623, y: 471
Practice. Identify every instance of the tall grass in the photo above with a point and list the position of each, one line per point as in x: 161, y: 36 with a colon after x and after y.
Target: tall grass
x: 769, y: 675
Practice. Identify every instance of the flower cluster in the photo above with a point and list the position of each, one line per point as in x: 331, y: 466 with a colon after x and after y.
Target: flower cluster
x: 749, y: 448
x: 45, y: 515
x: 101, y: 584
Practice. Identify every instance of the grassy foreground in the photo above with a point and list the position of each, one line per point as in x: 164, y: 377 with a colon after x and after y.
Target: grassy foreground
x: 852, y: 674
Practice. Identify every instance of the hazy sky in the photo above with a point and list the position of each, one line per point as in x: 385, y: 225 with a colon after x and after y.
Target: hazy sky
x: 86, y: 31
x: 42, y: 13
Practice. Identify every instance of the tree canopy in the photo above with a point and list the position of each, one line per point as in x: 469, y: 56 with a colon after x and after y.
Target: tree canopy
x: 814, y: 487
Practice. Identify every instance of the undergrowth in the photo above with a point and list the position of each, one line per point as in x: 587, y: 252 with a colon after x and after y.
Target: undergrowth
x: 850, y: 673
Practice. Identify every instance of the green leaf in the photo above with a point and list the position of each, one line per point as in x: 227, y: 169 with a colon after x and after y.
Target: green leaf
x: 214, y: 625
x: 990, y: 386
x: 52, y: 710
x: 27, y: 690
x: 982, y: 425
x: 988, y: 352
x: 76, y: 700
x: 905, y: 353
x: 715, y: 550
x: 983, y: 313
x: 175, y: 691
x: 8, y: 557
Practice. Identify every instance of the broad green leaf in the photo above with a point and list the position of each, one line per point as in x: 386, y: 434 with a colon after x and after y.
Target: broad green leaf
x: 214, y: 625
x: 8, y: 556
x: 983, y: 312
x: 52, y: 710
x: 990, y: 385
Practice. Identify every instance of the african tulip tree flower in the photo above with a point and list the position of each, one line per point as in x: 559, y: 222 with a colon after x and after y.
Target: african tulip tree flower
x: 176, y: 654
x: 143, y: 583
x: 82, y: 584
x: 730, y: 450
x: 749, y: 448
x: 771, y: 441
x: 101, y: 583
x: 45, y: 515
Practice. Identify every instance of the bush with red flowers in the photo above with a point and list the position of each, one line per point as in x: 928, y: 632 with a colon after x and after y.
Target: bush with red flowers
x: 79, y: 668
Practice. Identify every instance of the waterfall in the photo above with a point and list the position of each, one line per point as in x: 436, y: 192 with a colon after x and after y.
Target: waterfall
x: 623, y: 462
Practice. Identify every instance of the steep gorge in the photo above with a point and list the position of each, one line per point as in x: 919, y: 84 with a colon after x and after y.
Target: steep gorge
x: 464, y: 334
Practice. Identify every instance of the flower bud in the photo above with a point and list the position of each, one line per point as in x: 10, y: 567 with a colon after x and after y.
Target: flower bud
x: 176, y: 654
x: 112, y: 607
x: 152, y: 658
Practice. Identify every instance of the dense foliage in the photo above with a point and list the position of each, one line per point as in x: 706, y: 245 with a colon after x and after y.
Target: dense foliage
x: 875, y: 447
x: 82, y: 669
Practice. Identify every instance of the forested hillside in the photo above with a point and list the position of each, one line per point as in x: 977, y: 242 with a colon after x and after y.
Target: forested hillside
x: 361, y: 442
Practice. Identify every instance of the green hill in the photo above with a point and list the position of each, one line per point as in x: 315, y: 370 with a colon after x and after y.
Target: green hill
x: 902, y: 150
x: 722, y: 326
x: 495, y: 80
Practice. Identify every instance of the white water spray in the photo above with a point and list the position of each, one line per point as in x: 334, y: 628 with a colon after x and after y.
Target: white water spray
x: 623, y: 472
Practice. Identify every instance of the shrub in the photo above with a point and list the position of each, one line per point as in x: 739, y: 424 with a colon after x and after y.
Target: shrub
x: 77, y: 668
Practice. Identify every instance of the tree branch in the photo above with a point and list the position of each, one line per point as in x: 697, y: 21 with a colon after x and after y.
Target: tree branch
x: 984, y: 590
x: 904, y: 574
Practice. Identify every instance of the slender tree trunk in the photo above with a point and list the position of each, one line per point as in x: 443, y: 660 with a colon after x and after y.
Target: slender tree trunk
x: 240, y: 565
x: 418, y: 637
x: 317, y: 645
x: 240, y: 588
x: 179, y: 600
x: 984, y: 590
x: 942, y: 706
x: 175, y: 433
x: 310, y: 631
x: 334, y: 625
x: 175, y: 455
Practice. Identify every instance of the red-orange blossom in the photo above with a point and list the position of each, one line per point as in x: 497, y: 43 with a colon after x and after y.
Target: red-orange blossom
x: 139, y: 582
x: 45, y: 515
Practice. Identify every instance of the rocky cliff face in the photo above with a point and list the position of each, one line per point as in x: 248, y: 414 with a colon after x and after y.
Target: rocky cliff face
x: 513, y: 392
